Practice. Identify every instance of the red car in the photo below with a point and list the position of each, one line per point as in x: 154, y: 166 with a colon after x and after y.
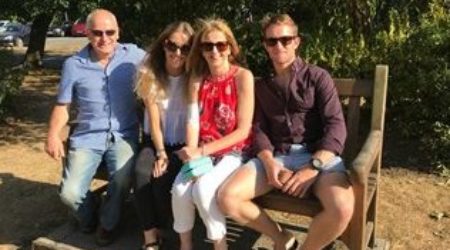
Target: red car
x: 79, y: 27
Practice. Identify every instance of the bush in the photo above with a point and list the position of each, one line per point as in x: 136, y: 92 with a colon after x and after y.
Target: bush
x: 10, y: 81
x: 346, y: 37
x: 419, y: 89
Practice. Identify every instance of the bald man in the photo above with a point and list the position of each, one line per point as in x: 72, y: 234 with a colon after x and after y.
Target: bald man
x: 99, y: 81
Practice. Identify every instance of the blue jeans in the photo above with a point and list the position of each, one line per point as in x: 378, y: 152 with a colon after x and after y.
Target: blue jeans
x: 80, y: 167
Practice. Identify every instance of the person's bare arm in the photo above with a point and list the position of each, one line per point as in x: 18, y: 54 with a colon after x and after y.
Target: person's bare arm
x: 58, y: 119
x: 160, y: 165
x: 191, y: 150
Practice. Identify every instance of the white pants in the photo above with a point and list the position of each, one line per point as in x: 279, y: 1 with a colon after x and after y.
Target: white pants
x: 202, y: 194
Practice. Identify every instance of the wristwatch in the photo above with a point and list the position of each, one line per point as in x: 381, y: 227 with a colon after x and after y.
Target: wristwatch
x: 317, y: 164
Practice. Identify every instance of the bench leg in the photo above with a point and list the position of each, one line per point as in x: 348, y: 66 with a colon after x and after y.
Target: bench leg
x: 354, y: 235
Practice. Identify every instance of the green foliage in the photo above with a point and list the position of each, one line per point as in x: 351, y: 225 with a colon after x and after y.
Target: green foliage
x: 242, y: 15
x: 346, y: 37
x: 10, y: 81
x: 420, y: 81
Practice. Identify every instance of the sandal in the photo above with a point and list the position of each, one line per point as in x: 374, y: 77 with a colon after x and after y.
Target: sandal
x: 154, y: 245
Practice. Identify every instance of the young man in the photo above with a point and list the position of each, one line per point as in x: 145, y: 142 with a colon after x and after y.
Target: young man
x: 99, y: 80
x: 299, y: 133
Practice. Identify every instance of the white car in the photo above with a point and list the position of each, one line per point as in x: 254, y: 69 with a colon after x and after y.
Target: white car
x: 3, y: 24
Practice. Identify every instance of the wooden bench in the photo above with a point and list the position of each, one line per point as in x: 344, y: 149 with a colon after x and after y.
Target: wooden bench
x: 362, y: 155
x: 363, y: 160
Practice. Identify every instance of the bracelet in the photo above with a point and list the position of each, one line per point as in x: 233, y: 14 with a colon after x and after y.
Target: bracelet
x: 160, y: 152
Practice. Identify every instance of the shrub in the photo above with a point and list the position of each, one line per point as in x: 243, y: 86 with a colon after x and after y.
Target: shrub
x: 346, y: 37
x: 420, y: 85
x: 10, y: 81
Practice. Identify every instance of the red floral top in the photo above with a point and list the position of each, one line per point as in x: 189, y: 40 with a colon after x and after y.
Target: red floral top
x: 218, y: 100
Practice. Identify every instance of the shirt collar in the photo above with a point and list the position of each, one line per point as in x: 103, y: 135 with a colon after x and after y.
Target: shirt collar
x: 84, y: 57
x: 297, y: 65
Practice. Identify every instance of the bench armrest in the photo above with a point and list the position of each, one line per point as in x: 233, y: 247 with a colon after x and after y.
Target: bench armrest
x: 363, y: 163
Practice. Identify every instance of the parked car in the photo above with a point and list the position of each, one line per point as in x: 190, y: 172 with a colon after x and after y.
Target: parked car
x: 79, y: 27
x: 55, y: 31
x: 3, y: 24
x: 15, y: 34
x: 61, y: 29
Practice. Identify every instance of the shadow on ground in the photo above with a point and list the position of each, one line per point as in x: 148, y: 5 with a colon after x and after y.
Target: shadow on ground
x: 30, y: 109
x: 20, y: 199
x: 238, y: 237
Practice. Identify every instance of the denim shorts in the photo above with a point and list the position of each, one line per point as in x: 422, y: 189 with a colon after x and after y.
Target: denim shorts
x: 297, y: 157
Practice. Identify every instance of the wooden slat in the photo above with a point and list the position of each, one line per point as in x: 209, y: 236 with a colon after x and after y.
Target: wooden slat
x: 379, y: 103
x: 371, y: 187
x: 369, y: 231
x: 381, y: 244
x: 354, y: 87
x: 352, y: 123
x: 276, y: 200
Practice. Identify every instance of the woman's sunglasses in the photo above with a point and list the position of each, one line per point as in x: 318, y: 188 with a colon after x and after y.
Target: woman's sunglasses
x: 209, y: 46
x: 284, y: 40
x: 100, y: 33
x: 173, y: 47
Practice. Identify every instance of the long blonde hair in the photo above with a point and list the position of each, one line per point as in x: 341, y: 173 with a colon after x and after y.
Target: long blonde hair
x: 152, y: 76
x: 196, y: 64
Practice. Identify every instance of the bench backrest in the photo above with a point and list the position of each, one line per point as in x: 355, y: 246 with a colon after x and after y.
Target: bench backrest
x: 356, y: 95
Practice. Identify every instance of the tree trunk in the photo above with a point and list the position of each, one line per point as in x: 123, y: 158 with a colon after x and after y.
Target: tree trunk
x: 36, y: 45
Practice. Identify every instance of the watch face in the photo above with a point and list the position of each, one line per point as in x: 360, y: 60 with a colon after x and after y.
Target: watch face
x: 317, y: 164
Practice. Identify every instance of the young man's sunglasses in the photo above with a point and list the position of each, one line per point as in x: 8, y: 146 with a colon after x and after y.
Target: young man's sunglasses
x: 284, y: 40
x: 100, y: 33
x: 173, y: 47
x: 209, y: 46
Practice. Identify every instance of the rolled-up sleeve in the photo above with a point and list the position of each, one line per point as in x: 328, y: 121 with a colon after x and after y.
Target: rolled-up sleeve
x: 334, y: 131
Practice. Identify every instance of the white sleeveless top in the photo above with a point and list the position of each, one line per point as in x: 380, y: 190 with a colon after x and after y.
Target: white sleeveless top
x: 172, y: 112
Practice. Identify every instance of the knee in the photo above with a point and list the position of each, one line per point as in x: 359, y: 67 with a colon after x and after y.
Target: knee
x: 201, y: 194
x: 143, y: 167
x: 178, y: 190
x: 228, y: 200
x: 343, y: 209
x: 144, y: 162
x: 120, y: 180
x: 344, y: 213
x: 70, y: 196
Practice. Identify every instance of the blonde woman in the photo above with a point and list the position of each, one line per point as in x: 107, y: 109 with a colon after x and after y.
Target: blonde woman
x: 161, y: 85
x: 220, y: 112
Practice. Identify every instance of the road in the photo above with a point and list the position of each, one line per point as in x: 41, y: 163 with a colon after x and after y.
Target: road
x: 65, y: 44
x: 59, y: 48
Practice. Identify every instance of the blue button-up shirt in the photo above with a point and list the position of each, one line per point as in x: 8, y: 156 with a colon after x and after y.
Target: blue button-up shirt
x: 103, y: 96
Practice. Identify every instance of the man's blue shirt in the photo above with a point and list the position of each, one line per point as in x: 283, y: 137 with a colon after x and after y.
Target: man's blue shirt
x: 103, y: 97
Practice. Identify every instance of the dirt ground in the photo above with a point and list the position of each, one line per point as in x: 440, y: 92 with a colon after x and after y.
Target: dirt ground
x: 413, y: 213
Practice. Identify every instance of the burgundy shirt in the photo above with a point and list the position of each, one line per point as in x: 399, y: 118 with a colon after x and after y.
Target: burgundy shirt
x: 306, y: 111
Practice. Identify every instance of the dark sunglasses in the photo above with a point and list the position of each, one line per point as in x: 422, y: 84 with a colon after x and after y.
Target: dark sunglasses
x: 173, y: 47
x: 209, y: 46
x: 284, y: 40
x: 100, y: 33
